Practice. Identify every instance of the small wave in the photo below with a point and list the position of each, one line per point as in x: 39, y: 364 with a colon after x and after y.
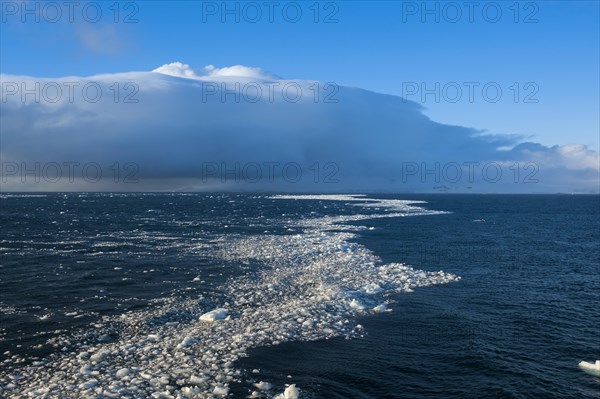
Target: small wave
x: 311, y: 287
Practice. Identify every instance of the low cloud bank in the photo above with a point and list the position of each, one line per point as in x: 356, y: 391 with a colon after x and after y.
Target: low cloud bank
x: 241, y: 128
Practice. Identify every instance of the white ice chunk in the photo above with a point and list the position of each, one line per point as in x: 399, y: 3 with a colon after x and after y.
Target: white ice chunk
x: 123, y: 372
x: 354, y: 304
x: 263, y: 386
x: 99, y: 356
x: 187, y: 341
x: 154, y: 337
x: 381, y: 308
x: 221, y: 390
x: 195, y: 380
x: 591, y: 368
x: 290, y: 392
x: 372, y: 288
x: 217, y: 314
x: 89, y: 384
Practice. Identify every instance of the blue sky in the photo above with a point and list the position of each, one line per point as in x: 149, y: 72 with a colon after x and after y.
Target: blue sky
x: 381, y: 46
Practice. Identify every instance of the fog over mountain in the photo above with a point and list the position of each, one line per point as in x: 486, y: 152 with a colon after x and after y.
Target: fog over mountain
x: 242, y: 128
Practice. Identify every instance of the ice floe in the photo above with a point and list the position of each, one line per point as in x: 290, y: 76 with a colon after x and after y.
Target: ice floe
x: 217, y: 314
x: 291, y: 392
x: 309, y: 286
x: 263, y: 386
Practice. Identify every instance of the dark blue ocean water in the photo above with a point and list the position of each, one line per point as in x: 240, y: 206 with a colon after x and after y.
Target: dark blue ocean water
x: 526, y: 311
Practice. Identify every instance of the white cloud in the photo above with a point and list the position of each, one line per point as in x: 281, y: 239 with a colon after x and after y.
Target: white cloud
x: 176, y: 127
x: 239, y: 71
x: 182, y: 70
x: 570, y: 156
x: 177, y: 69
